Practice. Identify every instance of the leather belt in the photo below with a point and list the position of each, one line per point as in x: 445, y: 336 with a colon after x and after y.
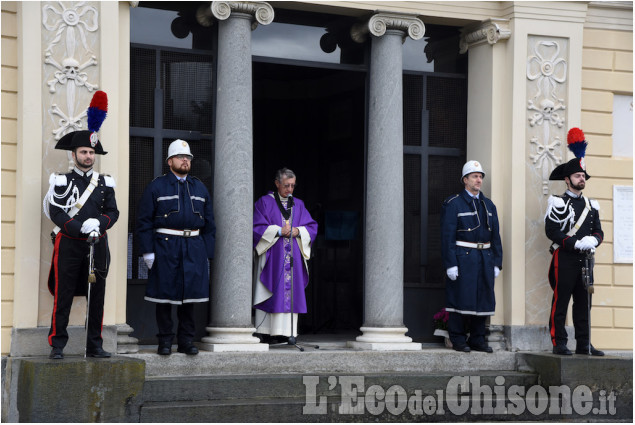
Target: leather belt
x: 186, y: 233
x: 477, y: 245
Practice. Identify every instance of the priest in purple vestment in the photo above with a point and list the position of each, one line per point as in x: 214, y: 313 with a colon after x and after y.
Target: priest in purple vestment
x: 283, y: 234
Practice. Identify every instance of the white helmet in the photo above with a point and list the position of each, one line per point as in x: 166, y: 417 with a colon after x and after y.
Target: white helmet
x: 179, y: 147
x: 472, y: 167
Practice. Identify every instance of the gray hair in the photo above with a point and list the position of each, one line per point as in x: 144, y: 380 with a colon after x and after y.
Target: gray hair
x: 284, y: 173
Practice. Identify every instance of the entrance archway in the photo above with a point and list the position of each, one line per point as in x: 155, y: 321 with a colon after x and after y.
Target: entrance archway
x: 311, y: 120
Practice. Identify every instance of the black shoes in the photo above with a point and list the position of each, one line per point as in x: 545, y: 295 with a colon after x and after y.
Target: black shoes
x: 98, y: 353
x: 585, y: 351
x: 482, y: 348
x: 164, y: 350
x: 189, y: 349
x: 463, y: 348
x: 56, y: 353
x: 561, y: 350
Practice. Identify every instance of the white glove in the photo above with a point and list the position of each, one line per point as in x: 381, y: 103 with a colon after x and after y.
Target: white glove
x: 586, y: 244
x: 149, y: 259
x: 453, y: 272
x: 591, y: 240
x: 89, y: 225
x: 496, y: 272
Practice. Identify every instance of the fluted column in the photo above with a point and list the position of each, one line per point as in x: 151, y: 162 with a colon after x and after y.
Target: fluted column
x: 231, y: 328
x: 383, y: 327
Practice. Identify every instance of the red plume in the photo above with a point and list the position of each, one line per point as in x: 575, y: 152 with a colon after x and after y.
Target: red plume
x: 575, y: 135
x: 576, y: 142
x: 97, y: 110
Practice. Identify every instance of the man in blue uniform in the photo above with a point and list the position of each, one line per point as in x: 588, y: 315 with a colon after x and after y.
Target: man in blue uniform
x: 82, y: 205
x: 473, y: 257
x: 572, y: 223
x: 176, y: 231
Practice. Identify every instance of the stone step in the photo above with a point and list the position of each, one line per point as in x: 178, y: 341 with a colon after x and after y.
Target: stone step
x: 293, y: 410
x: 170, y: 389
x: 288, y: 360
x: 327, y: 398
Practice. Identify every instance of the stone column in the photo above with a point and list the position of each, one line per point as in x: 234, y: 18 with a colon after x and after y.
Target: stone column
x: 383, y: 327
x: 230, y: 326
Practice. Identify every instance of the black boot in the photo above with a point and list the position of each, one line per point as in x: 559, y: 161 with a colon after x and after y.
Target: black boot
x: 561, y: 350
x: 585, y: 351
x: 98, y: 353
x: 165, y: 348
x: 56, y: 353
x: 188, y: 348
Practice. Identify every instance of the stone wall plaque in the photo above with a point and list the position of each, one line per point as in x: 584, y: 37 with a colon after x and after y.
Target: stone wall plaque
x: 623, y: 224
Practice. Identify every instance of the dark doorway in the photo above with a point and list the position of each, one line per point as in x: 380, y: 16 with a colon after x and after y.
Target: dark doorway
x: 311, y: 120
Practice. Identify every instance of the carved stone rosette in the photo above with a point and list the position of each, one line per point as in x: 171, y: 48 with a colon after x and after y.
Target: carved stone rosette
x: 221, y: 10
x: 380, y: 22
x: 490, y: 31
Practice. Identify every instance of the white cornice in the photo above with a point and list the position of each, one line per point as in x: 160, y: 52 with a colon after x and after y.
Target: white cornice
x: 489, y: 31
x: 613, y: 15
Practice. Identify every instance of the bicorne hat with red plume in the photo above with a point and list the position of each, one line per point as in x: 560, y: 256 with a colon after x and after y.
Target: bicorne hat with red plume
x: 88, y: 138
x: 576, y: 142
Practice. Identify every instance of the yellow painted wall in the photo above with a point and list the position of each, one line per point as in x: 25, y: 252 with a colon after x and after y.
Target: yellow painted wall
x: 607, y: 69
x: 9, y: 138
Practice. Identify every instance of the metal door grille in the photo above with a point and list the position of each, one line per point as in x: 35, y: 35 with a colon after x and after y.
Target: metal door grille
x: 435, y: 122
x: 171, y: 97
x: 186, y: 80
x: 142, y: 84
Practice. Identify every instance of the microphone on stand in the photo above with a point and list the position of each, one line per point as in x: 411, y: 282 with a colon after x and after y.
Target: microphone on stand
x: 289, y: 205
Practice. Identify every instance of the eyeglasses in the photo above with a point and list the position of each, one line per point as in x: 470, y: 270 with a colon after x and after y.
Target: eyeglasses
x: 183, y: 157
x: 289, y: 186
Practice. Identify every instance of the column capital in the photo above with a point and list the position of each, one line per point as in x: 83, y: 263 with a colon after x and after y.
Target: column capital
x: 491, y: 30
x: 221, y: 10
x: 380, y: 22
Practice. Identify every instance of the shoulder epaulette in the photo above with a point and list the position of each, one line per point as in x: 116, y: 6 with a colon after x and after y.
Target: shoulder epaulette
x: 555, y: 201
x: 594, y: 204
x: 109, y: 180
x: 450, y: 199
x: 58, y: 180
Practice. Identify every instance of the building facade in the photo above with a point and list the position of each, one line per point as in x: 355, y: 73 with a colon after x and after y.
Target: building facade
x: 375, y: 105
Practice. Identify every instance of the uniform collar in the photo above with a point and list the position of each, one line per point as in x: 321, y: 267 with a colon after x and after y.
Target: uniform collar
x: 175, y: 178
x: 573, y: 195
x: 86, y: 174
x: 477, y: 196
x: 468, y: 197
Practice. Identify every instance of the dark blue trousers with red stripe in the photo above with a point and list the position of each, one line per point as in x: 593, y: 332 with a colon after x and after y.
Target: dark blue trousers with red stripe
x: 565, y: 277
x: 69, y: 278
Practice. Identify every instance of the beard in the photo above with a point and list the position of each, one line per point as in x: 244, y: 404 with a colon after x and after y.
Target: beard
x: 183, y: 169
x: 87, y: 163
x: 579, y: 186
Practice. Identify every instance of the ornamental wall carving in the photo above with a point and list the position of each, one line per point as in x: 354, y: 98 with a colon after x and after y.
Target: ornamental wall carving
x: 70, y: 62
x: 546, y: 104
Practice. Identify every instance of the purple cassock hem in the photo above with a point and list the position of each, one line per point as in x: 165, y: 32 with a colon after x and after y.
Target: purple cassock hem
x: 273, y: 276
